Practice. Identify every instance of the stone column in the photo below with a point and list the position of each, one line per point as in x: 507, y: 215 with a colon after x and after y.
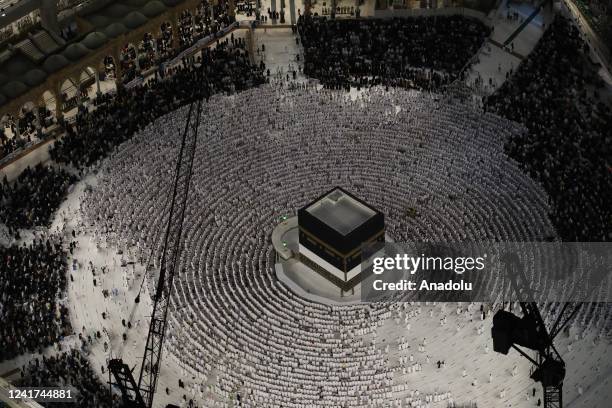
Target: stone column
x: 17, y: 131
x: 97, y: 75
x: 307, y: 7
x: 175, y: 30
x: 118, y: 69
x: 38, y: 124
x: 59, y: 102
x: 137, y: 59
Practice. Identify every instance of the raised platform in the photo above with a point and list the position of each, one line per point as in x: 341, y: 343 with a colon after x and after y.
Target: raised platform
x: 301, y: 278
x: 306, y: 283
x: 304, y: 278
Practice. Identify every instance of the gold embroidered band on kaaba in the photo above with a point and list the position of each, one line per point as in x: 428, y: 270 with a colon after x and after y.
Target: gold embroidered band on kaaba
x: 335, y: 251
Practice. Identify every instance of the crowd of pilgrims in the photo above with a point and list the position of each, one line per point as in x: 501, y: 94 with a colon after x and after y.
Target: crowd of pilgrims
x: 424, y: 52
x: 224, y: 69
x: 285, y: 144
x: 206, y: 20
x: 69, y: 369
x: 32, y: 279
x: 9, y: 142
x: 556, y: 94
x: 194, y: 27
x: 33, y: 276
x: 31, y: 199
x: 565, y: 149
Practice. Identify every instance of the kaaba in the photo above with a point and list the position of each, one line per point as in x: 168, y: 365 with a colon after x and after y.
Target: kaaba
x: 332, y: 230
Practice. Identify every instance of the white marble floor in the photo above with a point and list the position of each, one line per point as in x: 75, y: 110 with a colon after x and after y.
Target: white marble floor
x: 490, y: 69
x: 281, y: 52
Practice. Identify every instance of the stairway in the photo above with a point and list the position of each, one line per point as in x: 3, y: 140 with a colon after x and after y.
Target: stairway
x: 28, y: 48
x: 45, y: 42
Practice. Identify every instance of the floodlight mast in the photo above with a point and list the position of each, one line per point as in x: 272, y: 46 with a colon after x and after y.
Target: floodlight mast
x: 530, y: 332
x: 141, y: 394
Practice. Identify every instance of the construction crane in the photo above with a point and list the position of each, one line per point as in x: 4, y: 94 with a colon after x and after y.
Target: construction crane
x: 140, y: 394
x: 529, y: 331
